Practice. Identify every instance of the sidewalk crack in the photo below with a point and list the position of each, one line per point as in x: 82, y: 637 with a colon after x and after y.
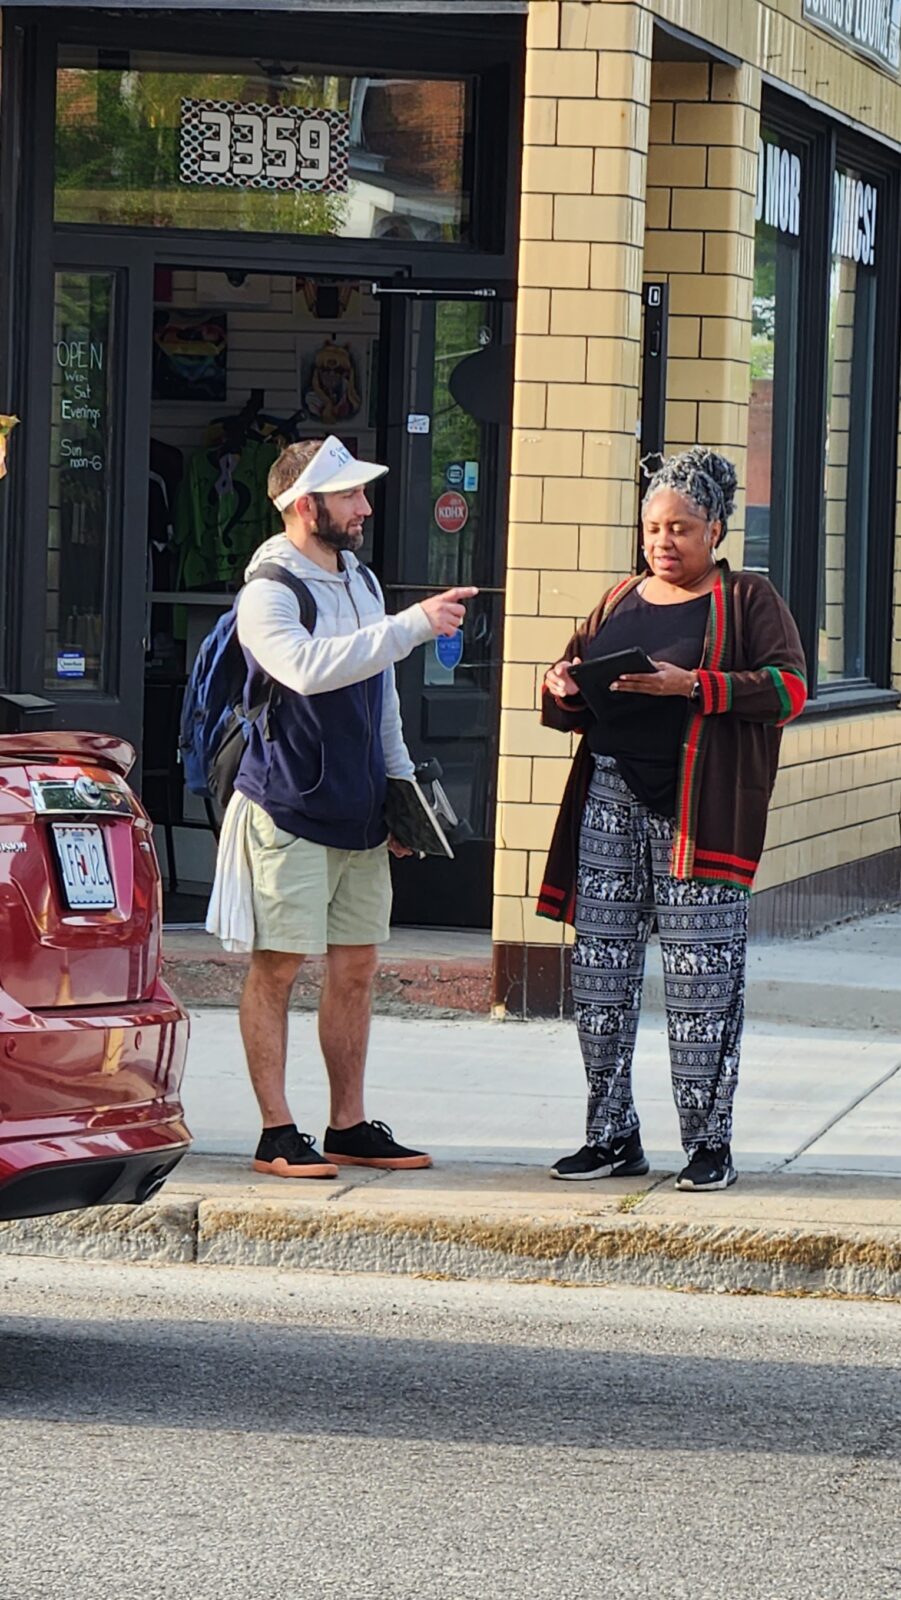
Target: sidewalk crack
x: 839, y: 1117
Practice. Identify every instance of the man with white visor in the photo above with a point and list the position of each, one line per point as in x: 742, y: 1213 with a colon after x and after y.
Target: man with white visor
x: 311, y: 790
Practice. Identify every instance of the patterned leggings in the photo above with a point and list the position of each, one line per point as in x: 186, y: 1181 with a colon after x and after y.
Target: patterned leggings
x: 624, y: 855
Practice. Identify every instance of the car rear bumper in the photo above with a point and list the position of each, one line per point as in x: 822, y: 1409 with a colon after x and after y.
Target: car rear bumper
x: 39, y: 1176
x: 90, y: 1112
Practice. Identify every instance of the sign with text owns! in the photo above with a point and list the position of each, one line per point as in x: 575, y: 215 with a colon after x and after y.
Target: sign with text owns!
x: 871, y: 26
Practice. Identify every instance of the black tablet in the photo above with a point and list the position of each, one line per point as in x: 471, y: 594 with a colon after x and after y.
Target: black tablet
x: 595, y: 677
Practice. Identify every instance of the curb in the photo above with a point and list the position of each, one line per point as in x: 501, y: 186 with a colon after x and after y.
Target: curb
x: 732, y: 1259
x: 813, y: 1005
x: 461, y: 988
x: 437, y: 987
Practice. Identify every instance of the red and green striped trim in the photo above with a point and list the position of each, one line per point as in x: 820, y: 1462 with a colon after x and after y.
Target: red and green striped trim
x: 554, y: 904
x: 716, y: 691
x: 718, y: 626
x: 792, y: 691
x: 551, y: 901
x: 686, y: 805
x: 617, y: 593
x: 715, y: 651
x: 723, y: 867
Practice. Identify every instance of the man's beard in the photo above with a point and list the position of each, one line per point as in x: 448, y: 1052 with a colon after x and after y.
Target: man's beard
x: 334, y: 537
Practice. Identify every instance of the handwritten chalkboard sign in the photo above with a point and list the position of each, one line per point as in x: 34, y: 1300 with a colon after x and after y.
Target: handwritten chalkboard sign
x: 80, y: 478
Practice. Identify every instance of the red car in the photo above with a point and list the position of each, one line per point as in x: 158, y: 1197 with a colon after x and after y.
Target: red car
x: 92, y: 1043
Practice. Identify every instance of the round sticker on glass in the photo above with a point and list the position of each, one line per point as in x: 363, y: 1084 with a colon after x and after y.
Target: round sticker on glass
x: 451, y: 512
x: 450, y: 651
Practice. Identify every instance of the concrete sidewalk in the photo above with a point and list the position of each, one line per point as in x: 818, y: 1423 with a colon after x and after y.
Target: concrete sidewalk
x: 849, y: 977
x: 818, y: 1144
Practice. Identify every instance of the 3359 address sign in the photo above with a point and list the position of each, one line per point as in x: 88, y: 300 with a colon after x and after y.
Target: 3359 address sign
x: 245, y: 146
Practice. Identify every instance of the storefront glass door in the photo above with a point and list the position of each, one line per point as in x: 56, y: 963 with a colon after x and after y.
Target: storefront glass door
x: 85, y: 507
x: 445, y: 528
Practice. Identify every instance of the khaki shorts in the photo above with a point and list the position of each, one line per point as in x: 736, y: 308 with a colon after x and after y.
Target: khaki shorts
x: 307, y: 896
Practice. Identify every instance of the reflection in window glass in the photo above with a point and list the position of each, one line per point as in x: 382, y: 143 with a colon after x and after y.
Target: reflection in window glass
x: 80, y: 479
x: 457, y: 449
x: 774, y: 360
x: 849, y: 429
x: 449, y: 540
x: 170, y: 141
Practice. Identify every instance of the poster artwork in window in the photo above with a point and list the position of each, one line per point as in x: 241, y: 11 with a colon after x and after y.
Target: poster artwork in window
x: 190, y: 356
x: 330, y: 384
x: 320, y: 300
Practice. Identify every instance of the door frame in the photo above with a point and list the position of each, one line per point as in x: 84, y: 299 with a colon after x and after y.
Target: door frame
x: 118, y: 699
x: 34, y: 248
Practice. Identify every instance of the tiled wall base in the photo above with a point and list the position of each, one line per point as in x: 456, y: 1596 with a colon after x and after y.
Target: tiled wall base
x: 808, y: 905
x: 532, y: 980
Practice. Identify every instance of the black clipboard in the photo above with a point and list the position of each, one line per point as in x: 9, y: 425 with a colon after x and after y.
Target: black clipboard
x: 593, y: 678
x: 412, y: 821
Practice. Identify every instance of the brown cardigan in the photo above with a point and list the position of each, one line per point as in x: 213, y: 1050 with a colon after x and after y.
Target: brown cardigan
x: 753, y: 680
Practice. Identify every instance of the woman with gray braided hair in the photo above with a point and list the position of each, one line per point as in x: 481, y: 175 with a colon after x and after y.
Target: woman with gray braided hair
x: 665, y: 814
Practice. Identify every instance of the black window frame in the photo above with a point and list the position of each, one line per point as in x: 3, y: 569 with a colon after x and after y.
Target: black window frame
x: 492, y: 58
x: 470, y: 46
x: 829, y: 147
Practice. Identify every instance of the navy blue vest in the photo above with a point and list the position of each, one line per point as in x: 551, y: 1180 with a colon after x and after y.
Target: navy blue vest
x: 316, y: 765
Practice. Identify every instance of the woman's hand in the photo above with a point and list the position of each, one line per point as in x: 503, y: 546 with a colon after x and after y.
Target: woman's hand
x: 559, y: 680
x: 666, y: 680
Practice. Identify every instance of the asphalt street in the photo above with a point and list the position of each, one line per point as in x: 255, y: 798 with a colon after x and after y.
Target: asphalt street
x: 180, y: 1432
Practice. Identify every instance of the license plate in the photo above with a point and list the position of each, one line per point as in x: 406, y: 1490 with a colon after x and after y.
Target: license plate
x: 85, y: 872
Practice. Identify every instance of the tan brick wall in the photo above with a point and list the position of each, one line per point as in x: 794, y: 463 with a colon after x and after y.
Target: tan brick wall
x: 837, y: 797
x: 702, y: 174
x: 576, y: 399
x: 630, y: 173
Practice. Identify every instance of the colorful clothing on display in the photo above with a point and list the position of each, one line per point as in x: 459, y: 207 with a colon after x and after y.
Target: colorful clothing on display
x: 223, y: 514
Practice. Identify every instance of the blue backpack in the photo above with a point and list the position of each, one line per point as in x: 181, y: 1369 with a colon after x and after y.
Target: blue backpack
x: 215, y: 723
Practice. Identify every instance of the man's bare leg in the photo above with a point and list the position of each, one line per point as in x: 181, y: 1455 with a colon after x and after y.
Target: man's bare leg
x: 264, y: 1029
x: 345, y: 1013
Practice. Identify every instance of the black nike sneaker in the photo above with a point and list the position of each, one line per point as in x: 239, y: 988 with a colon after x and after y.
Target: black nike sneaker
x: 709, y: 1168
x: 621, y: 1158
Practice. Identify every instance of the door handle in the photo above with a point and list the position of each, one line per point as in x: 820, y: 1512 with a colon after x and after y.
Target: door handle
x: 434, y: 588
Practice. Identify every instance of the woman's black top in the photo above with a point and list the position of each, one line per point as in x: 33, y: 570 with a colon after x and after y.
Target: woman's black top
x: 644, y: 733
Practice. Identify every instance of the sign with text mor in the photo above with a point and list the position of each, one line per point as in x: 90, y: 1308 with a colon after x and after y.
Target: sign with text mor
x: 245, y: 146
x: 871, y: 26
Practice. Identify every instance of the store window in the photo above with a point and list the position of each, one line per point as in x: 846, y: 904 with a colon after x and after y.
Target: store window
x: 81, y: 449
x: 844, y: 543
x: 774, y: 357
x: 159, y: 140
x: 822, y: 436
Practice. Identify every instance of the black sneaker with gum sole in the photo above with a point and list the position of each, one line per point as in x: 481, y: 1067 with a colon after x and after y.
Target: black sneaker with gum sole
x: 371, y: 1144
x: 285, y: 1153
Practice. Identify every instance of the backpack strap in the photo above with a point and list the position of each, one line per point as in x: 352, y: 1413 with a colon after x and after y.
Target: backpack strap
x: 301, y: 591
x: 369, y: 580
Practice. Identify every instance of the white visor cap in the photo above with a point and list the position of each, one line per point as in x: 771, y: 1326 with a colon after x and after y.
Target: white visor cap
x: 332, y: 469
